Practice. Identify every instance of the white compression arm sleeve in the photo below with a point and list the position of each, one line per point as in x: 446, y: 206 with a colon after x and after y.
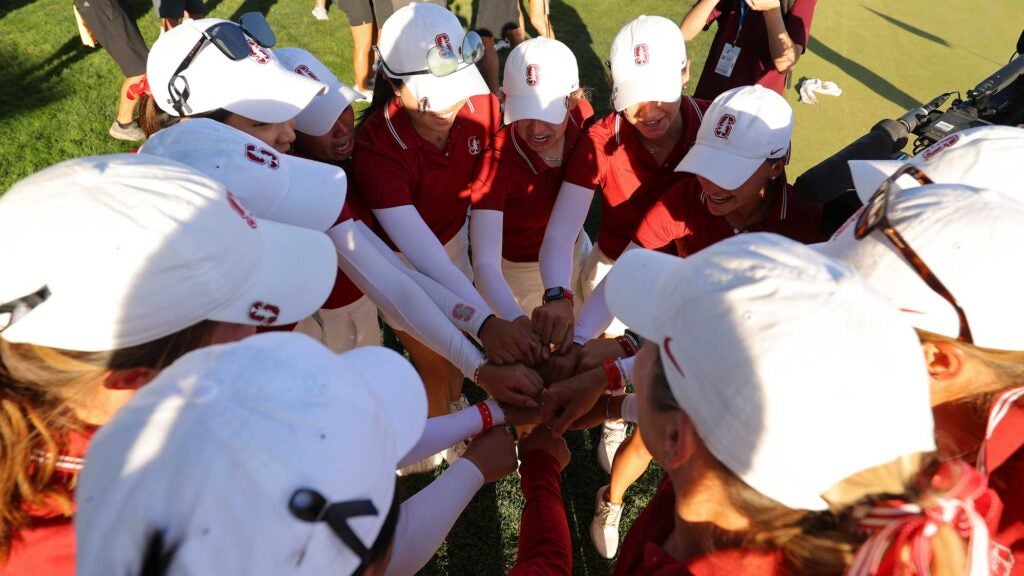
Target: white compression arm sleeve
x: 443, y: 431
x: 564, y: 227
x: 445, y: 299
x: 427, y: 517
x: 485, y: 230
x: 404, y: 302
x: 629, y: 410
x: 418, y: 243
x: 595, y: 316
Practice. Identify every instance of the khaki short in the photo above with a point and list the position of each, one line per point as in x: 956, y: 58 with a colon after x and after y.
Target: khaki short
x: 596, y: 268
x: 345, y: 328
x: 526, y: 284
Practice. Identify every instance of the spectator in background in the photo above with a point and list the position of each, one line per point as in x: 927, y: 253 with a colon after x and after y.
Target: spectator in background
x: 363, y: 26
x: 758, y: 41
x: 172, y: 12
x: 112, y: 24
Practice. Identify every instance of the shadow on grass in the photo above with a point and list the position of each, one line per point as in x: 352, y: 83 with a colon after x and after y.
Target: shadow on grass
x: 572, y: 31
x: 909, y: 28
x: 9, y: 6
x: 26, y: 85
x: 863, y: 74
x: 246, y: 6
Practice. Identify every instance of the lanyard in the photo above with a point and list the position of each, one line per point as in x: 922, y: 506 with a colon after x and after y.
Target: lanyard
x: 744, y: 10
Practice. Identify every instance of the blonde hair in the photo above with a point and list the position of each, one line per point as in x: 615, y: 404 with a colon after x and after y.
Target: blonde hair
x: 1006, y: 365
x: 39, y: 387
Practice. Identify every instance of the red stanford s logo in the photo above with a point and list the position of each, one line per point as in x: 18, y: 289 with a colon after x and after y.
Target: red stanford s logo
x: 474, y: 145
x: 241, y: 210
x: 305, y: 71
x: 934, y: 150
x: 463, y: 312
x: 532, y: 74
x: 263, y: 313
x: 445, y: 44
x: 262, y: 156
x: 257, y: 52
x: 724, y: 127
x: 641, y: 54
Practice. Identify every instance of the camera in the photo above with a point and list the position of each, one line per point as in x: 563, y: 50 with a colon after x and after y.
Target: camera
x: 998, y: 99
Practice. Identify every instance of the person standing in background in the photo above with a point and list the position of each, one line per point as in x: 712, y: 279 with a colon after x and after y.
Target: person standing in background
x: 757, y: 42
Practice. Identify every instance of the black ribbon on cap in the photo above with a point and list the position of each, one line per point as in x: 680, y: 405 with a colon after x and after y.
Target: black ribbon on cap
x: 311, y: 506
x: 11, y: 312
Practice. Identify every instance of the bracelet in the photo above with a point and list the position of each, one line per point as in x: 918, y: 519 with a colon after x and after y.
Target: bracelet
x: 627, y: 345
x: 485, y: 416
x: 611, y: 370
x: 476, y: 373
x: 634, y: 338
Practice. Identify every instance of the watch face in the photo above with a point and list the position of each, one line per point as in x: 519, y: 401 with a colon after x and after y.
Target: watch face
x: 552, y: 294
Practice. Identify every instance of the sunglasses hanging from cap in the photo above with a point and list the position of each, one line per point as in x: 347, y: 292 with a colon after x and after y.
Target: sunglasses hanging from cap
x: 230, y: 39
x: 11, y: 312
x: 875, y: 216
x: 441, y: 61
x: 311, y: 506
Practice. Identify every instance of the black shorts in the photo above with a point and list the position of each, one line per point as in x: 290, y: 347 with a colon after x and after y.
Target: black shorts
x: 383, y: 9
x: 113, y: 25
x: 359, y: 12
x: 175, y: 9
x: 494, y: 17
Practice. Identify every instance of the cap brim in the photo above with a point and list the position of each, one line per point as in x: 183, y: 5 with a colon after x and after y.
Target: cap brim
x: 530, y: 107
x: 295, y: 276
x: 631, y: 287
x: 316, y: 195
x: 322, y: 113
x: 394, y: 380
x: 443, y: 92
x: 274, y: 95
x: 868, y: 175
x: 653, y: 87
x: 721, y: 167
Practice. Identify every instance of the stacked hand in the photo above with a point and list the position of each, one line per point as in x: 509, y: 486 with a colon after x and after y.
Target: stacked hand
x: 511, y: 342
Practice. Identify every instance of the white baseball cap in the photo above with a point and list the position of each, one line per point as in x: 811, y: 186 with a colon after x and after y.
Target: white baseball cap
x: 989, y: 157
x: 647, y: 60
x: 404, y: 41
x: 257, y: 87
x: 540, y: 74
x: 274, y: 186
x: 133, y: 248
x: 795, y: 373
x: 320, y: 116
x: 212, y: 452
x: 969, y: 238
x: 741, y: 129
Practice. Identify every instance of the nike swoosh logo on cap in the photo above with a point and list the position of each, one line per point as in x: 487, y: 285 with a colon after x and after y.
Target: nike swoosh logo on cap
x: 776, y: 151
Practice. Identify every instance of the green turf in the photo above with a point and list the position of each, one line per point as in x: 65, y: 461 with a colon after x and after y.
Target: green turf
x: 57, y: 99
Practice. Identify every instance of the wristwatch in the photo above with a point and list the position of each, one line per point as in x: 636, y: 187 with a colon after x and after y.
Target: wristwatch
x: 557, y: 293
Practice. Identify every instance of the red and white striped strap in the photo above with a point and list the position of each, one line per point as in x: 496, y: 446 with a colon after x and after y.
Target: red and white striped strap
x: 1000, y: 408
x: 960, y: 499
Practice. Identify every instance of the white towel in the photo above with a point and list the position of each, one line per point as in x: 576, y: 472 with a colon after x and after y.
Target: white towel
x: 809, y: 87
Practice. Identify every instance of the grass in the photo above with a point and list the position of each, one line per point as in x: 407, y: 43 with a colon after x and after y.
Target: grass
x: 57, y: 99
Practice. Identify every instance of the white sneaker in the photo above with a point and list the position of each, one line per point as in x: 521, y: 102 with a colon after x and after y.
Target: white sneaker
x: 604, y: 528
x: 455, y: 451
x: 320, y: 13
x: 613, y: 433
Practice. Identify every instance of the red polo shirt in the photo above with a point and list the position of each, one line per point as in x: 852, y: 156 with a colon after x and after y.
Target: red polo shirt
x: 642, y: 553
x: 394, y: 166
x: 516, y: 181
x: 48, y: 547
x: 611, y: 156
x: 681, y: 217
x: 755, y: 64
x: 1002, y: 457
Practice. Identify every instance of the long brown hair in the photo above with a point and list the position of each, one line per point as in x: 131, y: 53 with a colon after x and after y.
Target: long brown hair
x: 38, y: 388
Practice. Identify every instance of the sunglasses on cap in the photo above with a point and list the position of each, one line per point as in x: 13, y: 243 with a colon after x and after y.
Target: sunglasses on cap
x: 874, y: 216
x: 309, y: 505
x: 230, y: 39
x: 441, y: 61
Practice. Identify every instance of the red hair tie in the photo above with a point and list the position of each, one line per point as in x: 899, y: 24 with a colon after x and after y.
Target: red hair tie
x: 135, y: 90
x: 960, y: 498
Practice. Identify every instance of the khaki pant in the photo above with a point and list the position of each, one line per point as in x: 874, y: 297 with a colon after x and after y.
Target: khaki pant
x: 344, y: 328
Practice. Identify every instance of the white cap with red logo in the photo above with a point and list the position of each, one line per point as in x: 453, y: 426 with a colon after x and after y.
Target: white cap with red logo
x: 319, y: 117
x: 252, y: 458
x: 987, y: 157
x: 741, y: 129
x: 124, y: 249
x: 540, y: 74
x: 794, y: 371
x: 647, y: 60
x: 274, y: 186
x: 256, y: 87
x: 405, y: 39
x: 969, y: 238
